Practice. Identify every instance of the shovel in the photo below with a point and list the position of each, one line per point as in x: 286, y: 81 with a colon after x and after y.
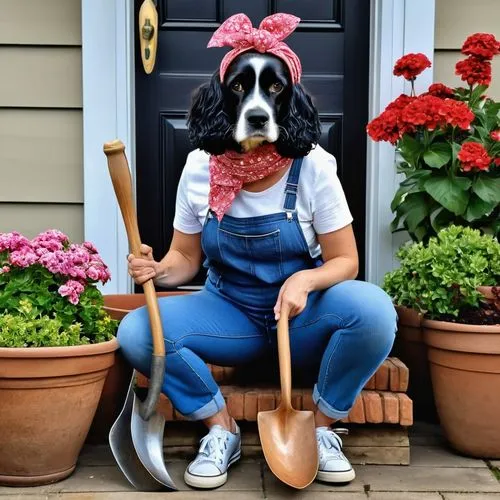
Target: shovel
x: 136, y: 438
x: 288, y: 436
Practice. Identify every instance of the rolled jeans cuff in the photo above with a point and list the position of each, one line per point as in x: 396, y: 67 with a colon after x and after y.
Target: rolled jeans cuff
x: 214, y: 406
x: 326, y: 408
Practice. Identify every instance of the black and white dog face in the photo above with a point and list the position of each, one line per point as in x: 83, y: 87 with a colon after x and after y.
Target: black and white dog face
x: 259, y: 85
x: 257, y: 103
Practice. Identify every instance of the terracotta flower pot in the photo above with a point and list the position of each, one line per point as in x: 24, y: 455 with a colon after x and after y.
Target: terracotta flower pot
x: 48, y: 398
x: 410, y: 348
x: 465, y: 370
x: 118, y: 379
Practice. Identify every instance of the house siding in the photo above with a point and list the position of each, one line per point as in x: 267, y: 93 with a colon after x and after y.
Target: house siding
x: 41, y: 137
x: 455, y: 21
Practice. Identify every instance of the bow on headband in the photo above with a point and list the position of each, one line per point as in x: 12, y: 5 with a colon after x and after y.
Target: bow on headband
x: 237, y: 32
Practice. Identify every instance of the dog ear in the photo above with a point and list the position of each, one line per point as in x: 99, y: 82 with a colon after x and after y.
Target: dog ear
x: 300, y: 128
x: 208, y: 124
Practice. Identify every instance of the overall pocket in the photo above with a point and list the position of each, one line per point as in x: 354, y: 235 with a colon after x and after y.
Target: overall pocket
x: 258, y: 255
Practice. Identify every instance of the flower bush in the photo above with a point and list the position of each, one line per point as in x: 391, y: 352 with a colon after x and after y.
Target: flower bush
x: 48, y: 292
x: 448, y: 144
x: 440, y: 278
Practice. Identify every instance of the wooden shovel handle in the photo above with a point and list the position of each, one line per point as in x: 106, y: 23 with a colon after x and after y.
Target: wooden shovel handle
x: 122, y: 184
x: 285, y: 362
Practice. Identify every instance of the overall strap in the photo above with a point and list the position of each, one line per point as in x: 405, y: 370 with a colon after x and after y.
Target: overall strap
x: 292, y: 183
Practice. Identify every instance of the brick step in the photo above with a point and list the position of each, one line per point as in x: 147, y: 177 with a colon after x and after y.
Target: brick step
x: 371, y: 407
x: 391, y: 376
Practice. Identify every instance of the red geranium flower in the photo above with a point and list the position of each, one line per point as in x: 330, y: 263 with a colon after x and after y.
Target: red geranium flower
x: 400, y: 102
x: 457, y: 114
x: 385, y: 127
x: 481, y: 45
x: 440, y: 90
x: 411, y: 65
x: 472, y: 155
x: 474, y: 70
x: 433, y: 112
x: 495, y: 135
x: 496, y: 161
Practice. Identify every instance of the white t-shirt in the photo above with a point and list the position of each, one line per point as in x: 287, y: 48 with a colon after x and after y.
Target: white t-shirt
x: 321, y: 203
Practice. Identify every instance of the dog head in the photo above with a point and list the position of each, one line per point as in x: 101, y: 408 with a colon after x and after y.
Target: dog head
x: 256, y: 103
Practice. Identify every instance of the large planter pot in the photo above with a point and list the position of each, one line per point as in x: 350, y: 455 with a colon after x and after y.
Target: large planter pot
x: 410, y: 348
x: 48, y: 397
x: 118, y: 379
x: 465, y: 370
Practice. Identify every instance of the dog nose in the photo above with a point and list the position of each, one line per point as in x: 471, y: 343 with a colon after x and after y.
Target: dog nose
x: 257, y: 117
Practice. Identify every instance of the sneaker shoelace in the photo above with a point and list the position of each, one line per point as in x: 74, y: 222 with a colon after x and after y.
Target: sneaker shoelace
x: 213, y: 446
x: 330, y: 442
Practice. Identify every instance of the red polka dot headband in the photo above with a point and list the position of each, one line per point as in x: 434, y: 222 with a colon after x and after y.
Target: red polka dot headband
x: 237, y: 32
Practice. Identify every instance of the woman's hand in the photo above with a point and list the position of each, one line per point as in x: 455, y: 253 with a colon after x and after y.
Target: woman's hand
x: 143, y: 268
x: 293, y: 295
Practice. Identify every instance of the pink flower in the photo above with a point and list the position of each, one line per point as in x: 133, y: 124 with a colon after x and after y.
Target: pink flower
x: 71, y: 289
x: 13, y: 241
x: 79, y: 255
x: 4, y: 269
x: 54, y: 234
x: 24, y: 257
x: 90, y: 247
x: 495, y: 135
x: 93, y: 273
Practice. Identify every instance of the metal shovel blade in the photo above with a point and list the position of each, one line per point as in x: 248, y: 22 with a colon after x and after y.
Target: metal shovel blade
x: 122, y: 447
x: 288, y: 439
x: 147, y: 437
x: 288, y: 436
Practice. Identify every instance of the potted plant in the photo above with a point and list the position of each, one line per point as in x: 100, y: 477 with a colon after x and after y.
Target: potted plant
x: 56, y: 346
x: 448, y: 156
x: 452, y: 281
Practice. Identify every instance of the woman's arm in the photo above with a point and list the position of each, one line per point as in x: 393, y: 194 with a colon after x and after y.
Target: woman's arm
x: 179, y: 265
x: 182, y: 262
x: 340, y: 257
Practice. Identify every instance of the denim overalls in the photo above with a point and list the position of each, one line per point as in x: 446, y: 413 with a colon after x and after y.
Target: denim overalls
x: 248, y: 259
x: 344, y: 333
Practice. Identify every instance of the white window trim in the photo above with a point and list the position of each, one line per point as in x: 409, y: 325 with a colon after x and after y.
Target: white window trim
x: 397, y: 27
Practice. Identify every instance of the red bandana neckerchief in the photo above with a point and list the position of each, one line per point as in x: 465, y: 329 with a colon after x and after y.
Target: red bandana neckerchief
x: 229, y: 171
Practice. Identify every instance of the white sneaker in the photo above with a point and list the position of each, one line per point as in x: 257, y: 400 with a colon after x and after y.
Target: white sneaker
x: 219, y: 449
x: 333, y: 465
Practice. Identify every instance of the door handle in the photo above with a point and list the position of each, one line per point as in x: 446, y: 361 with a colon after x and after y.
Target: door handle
x: 148, y: 34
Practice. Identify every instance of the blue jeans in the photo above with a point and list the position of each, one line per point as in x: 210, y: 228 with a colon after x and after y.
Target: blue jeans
x: 344, y: 334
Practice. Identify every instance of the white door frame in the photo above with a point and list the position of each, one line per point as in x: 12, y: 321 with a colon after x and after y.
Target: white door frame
x: 397, y: 27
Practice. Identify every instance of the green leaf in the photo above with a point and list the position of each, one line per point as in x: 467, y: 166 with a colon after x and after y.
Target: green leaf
x: 476, y: 94
x: 412, y: 211
x: 477, y: 208
x: 451, y: 193
x: 410, y: 149
x: 416, y: 176
x: 441, y: 218
x: 438, y: 154
x: 487, y: 188
x: 412, y: 184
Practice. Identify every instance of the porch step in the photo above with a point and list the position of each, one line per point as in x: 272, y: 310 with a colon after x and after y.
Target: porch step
x: 371, y: 407
x: 392, y: 376
x: 363, y: 445
x: 383, y: 400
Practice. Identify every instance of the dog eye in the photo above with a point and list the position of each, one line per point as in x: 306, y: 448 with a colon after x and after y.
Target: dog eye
x: 237, y: 87
x: 276, y: 87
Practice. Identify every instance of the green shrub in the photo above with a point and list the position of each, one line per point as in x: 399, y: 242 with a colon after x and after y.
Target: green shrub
x: 440, y: 279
